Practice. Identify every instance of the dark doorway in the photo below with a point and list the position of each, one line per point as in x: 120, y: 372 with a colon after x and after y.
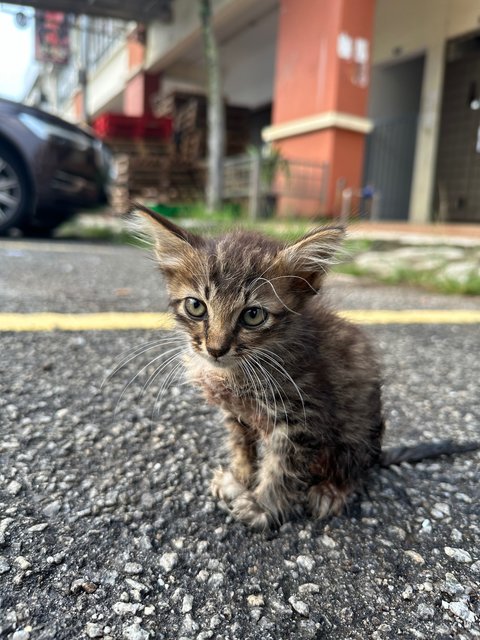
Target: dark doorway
x: 394, y: 104
x: 458, y: 163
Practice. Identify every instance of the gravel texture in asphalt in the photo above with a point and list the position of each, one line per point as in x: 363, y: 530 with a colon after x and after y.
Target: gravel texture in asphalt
x: 107, y: 527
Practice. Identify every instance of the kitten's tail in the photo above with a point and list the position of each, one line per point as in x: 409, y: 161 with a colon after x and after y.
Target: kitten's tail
x: 425, y: 450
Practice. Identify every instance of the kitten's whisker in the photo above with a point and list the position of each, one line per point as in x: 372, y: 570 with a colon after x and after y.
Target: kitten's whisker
x: 270, y: 266
x: 298, y: 278
x: 262, y: 388
x: 264, y: 373
x: 159, y: 340
x: 132, y: 380
x: 258, y: 390
x: 284, y: 372
x: 126, y: 359
x: 277, y: 387
x: 159, y: 369
x: 276, y: 294
x: 169, y: 379
x: 248, y: 372
x: 275, y: 383
x: 164, y: 386
x: 271, y: 353
x: 283, y: 433
x: 134, y: 353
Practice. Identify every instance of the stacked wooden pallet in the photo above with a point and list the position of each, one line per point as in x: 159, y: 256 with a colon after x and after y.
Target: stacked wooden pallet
x: 154, y: 178
x: 140, y: 148
x: 169, y: 106
x: 138, y: 177
x: 165, y: 168
x: 187, y: 182
x: 140, y: 169
x: 190, y: 129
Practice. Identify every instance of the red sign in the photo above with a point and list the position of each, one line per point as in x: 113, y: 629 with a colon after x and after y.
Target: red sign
x: 52, y: 38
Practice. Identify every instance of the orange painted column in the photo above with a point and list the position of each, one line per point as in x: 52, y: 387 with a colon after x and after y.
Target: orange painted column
x: 321, y: 91
x: 141, y: 86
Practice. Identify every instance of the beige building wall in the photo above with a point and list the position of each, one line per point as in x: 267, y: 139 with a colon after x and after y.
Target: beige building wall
x: 406, y: 28
x: 108, y: 81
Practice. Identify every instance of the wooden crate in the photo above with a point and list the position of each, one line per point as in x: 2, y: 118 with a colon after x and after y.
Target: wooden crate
x: 155, y: 179
x: 141, y: 170
x: 172, y: 103
x: 140, y: 147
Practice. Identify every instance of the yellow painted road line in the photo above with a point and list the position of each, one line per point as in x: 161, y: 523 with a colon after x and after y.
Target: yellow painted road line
x: 412, y: 316
x: 118, y: 321
x: 111, y: 321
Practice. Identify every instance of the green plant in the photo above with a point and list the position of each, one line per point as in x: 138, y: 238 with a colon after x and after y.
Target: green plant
x: 272, y: 164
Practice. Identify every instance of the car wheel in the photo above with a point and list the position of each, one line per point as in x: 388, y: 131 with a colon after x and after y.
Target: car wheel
x: 15, y: 201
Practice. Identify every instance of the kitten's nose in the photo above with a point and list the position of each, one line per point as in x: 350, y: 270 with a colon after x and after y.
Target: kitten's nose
x: 218, y: 352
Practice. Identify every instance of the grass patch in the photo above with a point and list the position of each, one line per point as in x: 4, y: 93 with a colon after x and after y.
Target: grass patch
x: 430, y: 280
x: 350, y: 269
x: 470, y: 287
x: 228, y: 214
x: 100, y: 234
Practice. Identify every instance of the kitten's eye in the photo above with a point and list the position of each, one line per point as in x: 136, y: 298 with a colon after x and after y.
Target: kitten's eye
x: 253, y: 317
x: 195, y: 308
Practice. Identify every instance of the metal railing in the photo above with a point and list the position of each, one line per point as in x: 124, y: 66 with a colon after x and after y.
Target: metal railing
x: 104, y: 37
x: 268, y: 185
x: 101, y: 38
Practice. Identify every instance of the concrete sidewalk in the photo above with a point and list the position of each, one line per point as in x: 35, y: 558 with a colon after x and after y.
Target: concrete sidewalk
x: 467, y: 235
x: 441, y: 257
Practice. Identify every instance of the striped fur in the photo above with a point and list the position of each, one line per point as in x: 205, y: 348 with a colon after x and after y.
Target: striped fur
x: 300, y: 392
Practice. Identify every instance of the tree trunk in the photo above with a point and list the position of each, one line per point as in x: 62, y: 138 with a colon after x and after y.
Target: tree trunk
x: 216, y: 109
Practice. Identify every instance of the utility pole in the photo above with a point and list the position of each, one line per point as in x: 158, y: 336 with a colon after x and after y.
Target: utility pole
x: 216, y: 109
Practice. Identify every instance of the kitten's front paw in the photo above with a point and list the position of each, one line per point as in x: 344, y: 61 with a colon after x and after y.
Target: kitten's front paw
x: 326, y: 501
x: 225, y: 487
x: 246, y: 509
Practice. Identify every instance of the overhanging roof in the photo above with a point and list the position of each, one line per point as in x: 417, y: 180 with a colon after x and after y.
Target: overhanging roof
x: 143, y: 11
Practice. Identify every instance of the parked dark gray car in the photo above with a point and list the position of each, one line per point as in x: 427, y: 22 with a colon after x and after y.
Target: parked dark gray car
x: 49, y: 169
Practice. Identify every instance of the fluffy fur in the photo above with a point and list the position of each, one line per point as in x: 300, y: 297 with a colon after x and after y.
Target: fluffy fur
x: 300, y: 391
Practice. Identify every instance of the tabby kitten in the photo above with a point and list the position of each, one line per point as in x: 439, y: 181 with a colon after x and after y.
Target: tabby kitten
x: 299, y: 386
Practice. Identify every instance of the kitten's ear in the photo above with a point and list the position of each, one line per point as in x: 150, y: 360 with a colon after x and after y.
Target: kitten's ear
x: 173, y: 245
x: 311, y: 256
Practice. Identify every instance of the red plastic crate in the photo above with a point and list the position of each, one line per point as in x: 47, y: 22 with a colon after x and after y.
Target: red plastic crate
x: 116, y: 125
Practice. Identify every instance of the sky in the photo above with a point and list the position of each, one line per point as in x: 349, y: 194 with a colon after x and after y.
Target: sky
x: 16, y: 53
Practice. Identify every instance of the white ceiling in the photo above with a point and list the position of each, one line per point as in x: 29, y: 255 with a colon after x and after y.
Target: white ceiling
x: 247, y: 53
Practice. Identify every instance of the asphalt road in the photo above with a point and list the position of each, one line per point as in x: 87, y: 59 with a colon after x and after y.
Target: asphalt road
x: 107, y: 528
